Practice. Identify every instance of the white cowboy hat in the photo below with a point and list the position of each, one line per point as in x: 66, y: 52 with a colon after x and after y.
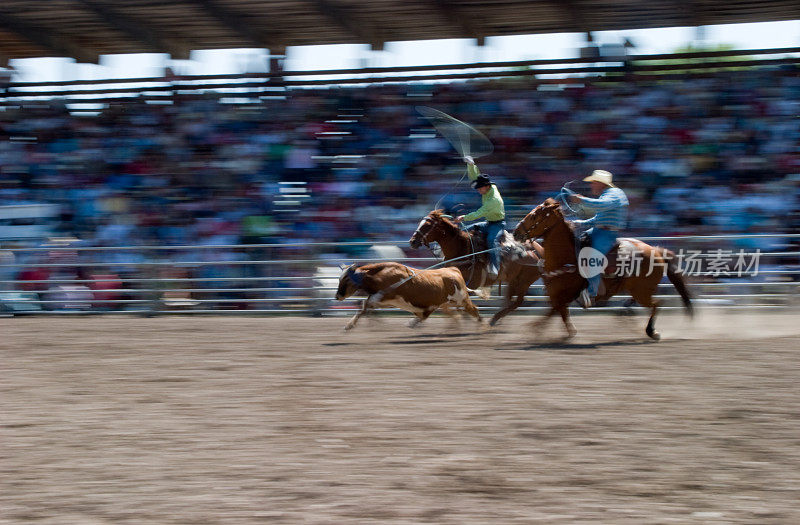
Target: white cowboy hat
x: 601, y: 176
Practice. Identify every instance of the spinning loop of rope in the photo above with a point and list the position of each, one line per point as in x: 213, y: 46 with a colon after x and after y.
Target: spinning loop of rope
x: 564, y: 195
x: 468, y: 142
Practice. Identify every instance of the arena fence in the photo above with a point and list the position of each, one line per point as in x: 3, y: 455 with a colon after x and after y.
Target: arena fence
x: 250, y: 87
x: 301, y: 278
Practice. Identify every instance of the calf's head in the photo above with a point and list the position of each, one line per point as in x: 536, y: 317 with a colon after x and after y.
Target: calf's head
x: 349, y: 283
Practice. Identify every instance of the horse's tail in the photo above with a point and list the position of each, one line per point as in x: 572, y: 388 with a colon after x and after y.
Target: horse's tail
x: 675, y: 276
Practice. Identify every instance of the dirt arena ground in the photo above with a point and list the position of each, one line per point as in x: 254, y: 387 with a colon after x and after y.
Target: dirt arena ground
x: 290, y: 420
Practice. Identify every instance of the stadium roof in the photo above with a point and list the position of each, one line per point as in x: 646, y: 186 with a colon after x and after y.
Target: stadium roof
x: 85, y: 29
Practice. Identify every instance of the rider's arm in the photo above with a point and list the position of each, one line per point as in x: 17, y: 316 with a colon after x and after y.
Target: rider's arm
x: 477, y: 214
x: 605, y: 202
x: 492, y: 206
x: 472, y: 171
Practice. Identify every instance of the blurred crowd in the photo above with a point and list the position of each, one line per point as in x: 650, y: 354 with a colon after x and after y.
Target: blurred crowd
x: 697, y: 156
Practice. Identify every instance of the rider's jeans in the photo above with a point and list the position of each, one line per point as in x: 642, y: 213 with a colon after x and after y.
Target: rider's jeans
x: 602, y: 241
x: 493, y: 231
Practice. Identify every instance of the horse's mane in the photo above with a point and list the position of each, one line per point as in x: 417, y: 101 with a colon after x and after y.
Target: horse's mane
x: 439, y: 215
x: 549, y: 202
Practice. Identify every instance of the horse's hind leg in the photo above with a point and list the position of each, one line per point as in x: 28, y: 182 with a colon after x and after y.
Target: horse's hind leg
x: 651, y: 323
x: 647, y: 300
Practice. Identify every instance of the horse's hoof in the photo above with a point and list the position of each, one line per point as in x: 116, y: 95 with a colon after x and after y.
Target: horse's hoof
x: 655, y: 336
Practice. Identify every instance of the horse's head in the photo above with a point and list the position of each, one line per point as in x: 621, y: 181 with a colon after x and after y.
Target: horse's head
x: 432, y: 228
x: 539, y: 221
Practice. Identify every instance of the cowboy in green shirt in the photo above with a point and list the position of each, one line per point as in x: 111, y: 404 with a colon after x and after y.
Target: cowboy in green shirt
x: 492, y: 210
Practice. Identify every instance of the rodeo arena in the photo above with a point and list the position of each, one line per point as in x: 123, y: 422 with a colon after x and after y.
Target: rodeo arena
x: 530, y: 290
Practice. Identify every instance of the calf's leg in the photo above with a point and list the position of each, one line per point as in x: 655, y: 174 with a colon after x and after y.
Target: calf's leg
x: 470, y: 308
x: 422, y: 316
x: 365, y: 306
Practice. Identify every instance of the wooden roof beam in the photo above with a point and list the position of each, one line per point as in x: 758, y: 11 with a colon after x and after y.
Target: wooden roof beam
x: 573, y: 11
x: 345, y: 19
x: 137, y: 30
x: 46, y: 38
x: 241, y: 25
x: 692, y: 12
x: 452, y: 12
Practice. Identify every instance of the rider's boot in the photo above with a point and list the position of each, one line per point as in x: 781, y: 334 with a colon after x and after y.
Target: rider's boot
x: 585, y: 299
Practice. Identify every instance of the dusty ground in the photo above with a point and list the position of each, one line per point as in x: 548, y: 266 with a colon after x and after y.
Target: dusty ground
x: 289, y: 420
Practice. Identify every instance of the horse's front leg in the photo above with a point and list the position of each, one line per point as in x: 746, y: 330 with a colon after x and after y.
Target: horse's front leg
x: 512, y: 289
x: 539, y: 323
x: 564, y: 311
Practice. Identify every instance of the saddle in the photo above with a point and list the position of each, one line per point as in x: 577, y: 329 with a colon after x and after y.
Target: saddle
x: 479, y: 232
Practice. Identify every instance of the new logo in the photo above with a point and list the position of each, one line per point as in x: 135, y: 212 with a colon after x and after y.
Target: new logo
x: 591, y: 262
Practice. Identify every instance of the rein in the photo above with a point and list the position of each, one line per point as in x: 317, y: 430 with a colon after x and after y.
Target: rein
x: 567, y: 268
x: 532, y: 226
x: 473, y: 263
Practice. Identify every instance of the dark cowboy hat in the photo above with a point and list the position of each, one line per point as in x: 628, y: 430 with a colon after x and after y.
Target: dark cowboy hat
x: 481, y: 181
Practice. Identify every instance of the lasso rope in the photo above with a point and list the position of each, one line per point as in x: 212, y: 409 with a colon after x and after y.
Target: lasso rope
x: 436, y: 206
x: 461, y: 227
x: 564, y: 196
x: 379, y: 295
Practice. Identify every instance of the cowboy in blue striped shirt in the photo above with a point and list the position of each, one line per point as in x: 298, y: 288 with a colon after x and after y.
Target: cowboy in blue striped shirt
x: 611, y: 213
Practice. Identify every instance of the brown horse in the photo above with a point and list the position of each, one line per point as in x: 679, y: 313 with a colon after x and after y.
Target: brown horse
x: 564, y: 283
x: 455, y: 242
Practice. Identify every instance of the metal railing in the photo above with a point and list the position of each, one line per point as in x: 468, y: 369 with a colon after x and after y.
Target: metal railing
x: 274, y: 84
x: 300, y: 278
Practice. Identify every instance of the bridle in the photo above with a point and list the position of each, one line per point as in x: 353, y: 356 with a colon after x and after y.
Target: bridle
x: 565, y: 269
x: 536, y: 223
x: 424, y: 239
x: 434, y: 226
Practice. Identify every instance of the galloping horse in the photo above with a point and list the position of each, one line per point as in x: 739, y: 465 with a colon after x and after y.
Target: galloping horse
x: 455, y: 242
x: 564, y: 283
